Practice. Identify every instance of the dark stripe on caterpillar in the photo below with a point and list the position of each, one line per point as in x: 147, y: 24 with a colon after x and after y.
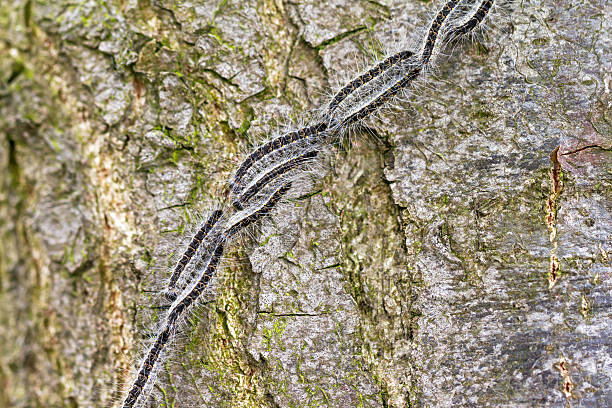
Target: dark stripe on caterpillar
x: 260, y: 213
x: 476, y: 19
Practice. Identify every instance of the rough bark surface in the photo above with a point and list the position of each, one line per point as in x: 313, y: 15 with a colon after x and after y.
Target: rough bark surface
x: 460, y: 259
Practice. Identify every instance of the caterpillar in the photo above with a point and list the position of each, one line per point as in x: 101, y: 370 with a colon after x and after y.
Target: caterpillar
x: 434, y: 29
x: 213, y: 236
x: 412, y: 71
x: 276, y: 172
x: 272, y: 146
x: 164, y: 336
x: 365, y: 78
x: 375, y: 72
x: 257, y: 215
x: 476, y: 19
x: 188, y: 300
x: 192, y: 248
x: 383, y: 97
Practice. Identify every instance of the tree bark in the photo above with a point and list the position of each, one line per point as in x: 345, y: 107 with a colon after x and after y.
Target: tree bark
x: 460, y: 257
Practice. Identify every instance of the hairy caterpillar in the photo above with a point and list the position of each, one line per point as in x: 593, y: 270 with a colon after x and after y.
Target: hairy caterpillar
x: 383, y: 97
x: 262, y: 212
x: 272, y: 146
x: 434, y: 29
x: 164, y: 336
x: 365, y: 78
x: 192, y: 248
x: 410, y: 72
x: 273, y: 174
x: 476, y: 19
x: 250, y: 181
x: 195, y: 291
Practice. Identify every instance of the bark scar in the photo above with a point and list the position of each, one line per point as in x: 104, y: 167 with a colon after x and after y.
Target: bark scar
x: 587, y: 147
x: 551, y: 216
x: 568, y: 384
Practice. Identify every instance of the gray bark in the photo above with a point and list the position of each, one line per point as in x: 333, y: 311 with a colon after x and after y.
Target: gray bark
x: 460, y: 257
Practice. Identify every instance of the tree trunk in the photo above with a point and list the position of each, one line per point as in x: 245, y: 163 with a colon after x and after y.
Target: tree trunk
x: 461, y: 257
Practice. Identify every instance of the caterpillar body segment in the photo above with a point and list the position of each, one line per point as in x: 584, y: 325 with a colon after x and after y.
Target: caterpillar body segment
x: 143, y: 380
x: 434, y: 29
x: 365, y: 78
x: 194, y: 293
x: 259, y: 213
x: 382, y: 98
x: 193, y: 247
x: 475, y: 20
x: 309, y: 132
x: 273, y: 174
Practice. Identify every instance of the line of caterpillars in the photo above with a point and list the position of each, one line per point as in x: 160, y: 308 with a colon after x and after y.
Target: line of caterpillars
x: 208, y: 244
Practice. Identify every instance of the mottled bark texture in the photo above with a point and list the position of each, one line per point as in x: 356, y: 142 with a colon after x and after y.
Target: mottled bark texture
x: 461, y: 257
